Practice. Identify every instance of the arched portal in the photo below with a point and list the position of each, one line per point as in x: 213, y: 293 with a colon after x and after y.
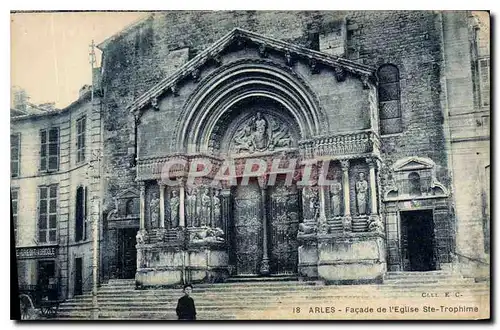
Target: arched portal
x: 243, y: 82
x: 254, y: 108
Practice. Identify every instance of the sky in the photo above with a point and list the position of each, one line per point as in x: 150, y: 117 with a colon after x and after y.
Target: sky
x: 49, y: 51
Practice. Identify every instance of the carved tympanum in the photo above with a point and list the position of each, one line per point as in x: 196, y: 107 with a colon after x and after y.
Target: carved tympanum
x: 261, y: 133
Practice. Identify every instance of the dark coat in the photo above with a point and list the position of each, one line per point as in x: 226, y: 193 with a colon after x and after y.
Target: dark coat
x: 185, y: 308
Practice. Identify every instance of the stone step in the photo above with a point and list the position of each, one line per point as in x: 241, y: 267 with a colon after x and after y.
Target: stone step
x: 202, y: 303
x: 217, y: 299
x: 150, y: 315
x: 271, y: 289
x: 282, y: 280
x: 427, y: 273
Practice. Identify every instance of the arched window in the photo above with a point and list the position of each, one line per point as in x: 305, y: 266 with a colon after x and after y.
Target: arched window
x: 414, y: 184
x: 389, y: 99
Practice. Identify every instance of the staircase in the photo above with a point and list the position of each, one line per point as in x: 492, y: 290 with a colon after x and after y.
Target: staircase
x: 266, y: 299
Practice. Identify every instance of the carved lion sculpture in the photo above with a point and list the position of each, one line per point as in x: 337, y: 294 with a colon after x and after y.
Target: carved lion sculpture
x: 208, y: 234
x: 375, y: 224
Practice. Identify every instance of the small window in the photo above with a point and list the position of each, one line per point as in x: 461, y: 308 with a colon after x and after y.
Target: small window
x: 389, y: 100
x: 49, y: 149
x: 15, y: 152
x: 80, y: 140
x: 47, y: 214
x: 15, y: 203
x: 414, y: 184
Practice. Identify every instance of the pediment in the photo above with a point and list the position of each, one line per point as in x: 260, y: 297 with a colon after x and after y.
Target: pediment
x: 128, y: 193
x: 412, y: 164
x: 241, y: 38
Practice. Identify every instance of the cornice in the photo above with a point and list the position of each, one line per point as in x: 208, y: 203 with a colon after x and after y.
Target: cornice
x: 212, y: 53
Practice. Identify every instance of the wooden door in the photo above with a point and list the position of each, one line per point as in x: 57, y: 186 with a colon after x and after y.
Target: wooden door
x: 284, y: 223
x: 247, y: 238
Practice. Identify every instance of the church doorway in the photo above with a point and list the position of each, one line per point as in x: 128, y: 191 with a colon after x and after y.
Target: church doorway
x: 127, y: 252
x: 282, y: 212
x: 417, y: 240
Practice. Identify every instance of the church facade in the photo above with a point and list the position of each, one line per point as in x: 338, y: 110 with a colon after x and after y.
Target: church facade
x: 305, y: 144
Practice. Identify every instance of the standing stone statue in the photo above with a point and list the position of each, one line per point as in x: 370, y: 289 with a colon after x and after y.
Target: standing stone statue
x: 206, y: 202
x: 314, y: 205
x: 191, y: 206
x: 174, y: 208
x: 335, y: 191
x: 260, y: 134
x: 361, y: 192
x: 154, y: 212
x: 216, y: 208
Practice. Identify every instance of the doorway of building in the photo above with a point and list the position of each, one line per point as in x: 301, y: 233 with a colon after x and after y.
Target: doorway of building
x: 417, y: 240
x: 128, y: 254
x: 78, y: 276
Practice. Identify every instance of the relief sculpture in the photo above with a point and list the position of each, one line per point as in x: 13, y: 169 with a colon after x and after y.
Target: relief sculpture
x: 361, y: 191
x: 336, y: 191
x: 154, y: 207
x: 174, y: 208
x: 191, y: 207
x: 261, y: 133
x: 206, y: 203
x: 216, y: 222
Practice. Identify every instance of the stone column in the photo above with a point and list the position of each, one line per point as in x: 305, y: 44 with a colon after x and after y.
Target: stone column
x: 322, y: 225
x: 162, y: 204
x: 345, y: 187
x: 347, y: 219
x: 182, y: 194
x: 373, y: 186
x: 225, y: 210
x: 142, y: 207
x: 264, y: 267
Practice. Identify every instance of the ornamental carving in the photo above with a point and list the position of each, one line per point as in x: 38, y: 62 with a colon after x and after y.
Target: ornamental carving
x: 261, y: 133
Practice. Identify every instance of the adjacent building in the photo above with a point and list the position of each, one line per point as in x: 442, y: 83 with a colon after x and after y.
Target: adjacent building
x: 52, y: 188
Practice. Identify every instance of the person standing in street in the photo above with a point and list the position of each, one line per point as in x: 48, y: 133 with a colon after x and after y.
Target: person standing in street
x: 185, y: 306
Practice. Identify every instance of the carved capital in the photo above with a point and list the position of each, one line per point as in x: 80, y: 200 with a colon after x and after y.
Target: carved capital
x: 345, y: 165
x: 142, y: 187
x: 340, y: 74
x: 372, y: 163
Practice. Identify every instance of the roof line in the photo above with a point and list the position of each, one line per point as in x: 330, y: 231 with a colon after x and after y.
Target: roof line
x: 82, y: 98
x: 220, y: 44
